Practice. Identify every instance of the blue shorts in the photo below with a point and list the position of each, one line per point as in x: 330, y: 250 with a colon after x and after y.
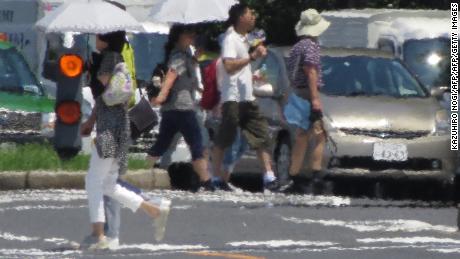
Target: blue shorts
x: 297, y: 112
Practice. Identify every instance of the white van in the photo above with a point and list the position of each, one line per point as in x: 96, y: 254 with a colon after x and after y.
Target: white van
x: 421, y: 38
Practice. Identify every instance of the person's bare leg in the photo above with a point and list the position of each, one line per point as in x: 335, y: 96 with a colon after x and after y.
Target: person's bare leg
x: 318, y: 135
x: 207, y: 158
x: 298, y: 152
x: 217, y: 159
x: 226, y: 176
x: 152, y: 210
x: 265, y: 159
x: 201, y: 168
x: 98, y: 230
x: 206, y: 154
x: 318, y: 149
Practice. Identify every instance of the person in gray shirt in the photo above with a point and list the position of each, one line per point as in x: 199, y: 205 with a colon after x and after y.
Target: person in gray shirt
x: 178, y: 113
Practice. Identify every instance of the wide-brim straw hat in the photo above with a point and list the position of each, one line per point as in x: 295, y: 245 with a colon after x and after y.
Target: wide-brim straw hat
x: 311, y: 24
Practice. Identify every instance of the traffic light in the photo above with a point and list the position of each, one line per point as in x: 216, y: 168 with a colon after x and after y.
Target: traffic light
x: 67, y: 139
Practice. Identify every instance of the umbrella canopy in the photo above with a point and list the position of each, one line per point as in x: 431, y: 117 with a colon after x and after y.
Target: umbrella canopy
x: 191, y: 11
x: 88, y: 17
x: 155, y: 27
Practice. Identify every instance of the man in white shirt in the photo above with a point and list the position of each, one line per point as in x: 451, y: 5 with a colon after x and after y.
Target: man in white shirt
x: 239, y: 108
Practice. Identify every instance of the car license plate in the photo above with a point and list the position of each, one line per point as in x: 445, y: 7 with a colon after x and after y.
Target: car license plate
x: 390, y: 152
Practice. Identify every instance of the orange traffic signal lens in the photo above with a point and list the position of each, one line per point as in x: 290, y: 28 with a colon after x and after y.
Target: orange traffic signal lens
x: 71, y: 65
x: 68, y: 112
x: 3, y: 36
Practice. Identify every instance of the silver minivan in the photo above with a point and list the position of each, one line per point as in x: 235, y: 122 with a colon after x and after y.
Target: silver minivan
x: 380, y: 119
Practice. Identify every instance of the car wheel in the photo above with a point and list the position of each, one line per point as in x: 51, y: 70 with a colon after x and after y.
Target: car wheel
x: 458, y: 218
x: 456, y: 189
x: 283, y: 160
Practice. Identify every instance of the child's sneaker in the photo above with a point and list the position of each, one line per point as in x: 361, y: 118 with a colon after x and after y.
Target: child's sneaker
x: 113, y: 243
x: 160, y: 222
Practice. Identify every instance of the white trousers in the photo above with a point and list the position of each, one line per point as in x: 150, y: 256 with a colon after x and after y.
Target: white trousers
x: 102, y: 180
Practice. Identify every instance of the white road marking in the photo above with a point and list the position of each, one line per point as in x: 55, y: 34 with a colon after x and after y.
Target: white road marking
x: 122, y: 248
x: 291, y: 250
x: 57, y: 240
x: 13, y: 237
x: 35, y: 252
x: 161, y: 247
x: 410, y: 240
x: 280, y: 243
x: 185, y: 207
x: 40, y: 207
x: 445, y: 250
x: 399, y: 225
x: 42, y: 196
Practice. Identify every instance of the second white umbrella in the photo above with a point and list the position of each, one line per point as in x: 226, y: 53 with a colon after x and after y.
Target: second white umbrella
x: 191, y: 11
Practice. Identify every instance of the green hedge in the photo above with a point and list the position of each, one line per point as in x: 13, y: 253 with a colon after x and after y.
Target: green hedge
x: 31, y: 157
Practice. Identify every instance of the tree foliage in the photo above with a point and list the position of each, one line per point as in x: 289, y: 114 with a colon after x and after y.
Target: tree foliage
x: 278, y: 17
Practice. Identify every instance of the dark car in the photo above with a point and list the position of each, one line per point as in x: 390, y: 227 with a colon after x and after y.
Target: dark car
x: 26, y: 112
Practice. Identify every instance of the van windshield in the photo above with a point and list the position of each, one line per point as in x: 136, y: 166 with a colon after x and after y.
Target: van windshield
x: 429, y: 59
x: 15, y: 74
x: 368, y: 76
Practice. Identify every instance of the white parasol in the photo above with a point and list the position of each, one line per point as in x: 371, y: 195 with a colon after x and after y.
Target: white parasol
x: 86, y: 16
x: 191, y: 11
x: 156, y: 27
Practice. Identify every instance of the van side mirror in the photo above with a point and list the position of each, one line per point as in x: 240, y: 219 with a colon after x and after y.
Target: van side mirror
x: 438, y: 91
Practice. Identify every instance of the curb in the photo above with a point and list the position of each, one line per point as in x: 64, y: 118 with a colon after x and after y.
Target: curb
x: 13, y: 180
x: 144, y: 179
x: 147, y: 179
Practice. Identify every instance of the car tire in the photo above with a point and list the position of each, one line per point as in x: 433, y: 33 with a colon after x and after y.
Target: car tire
x: 283, y: 160
x: 456, y: 189
x: 458, y: 218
